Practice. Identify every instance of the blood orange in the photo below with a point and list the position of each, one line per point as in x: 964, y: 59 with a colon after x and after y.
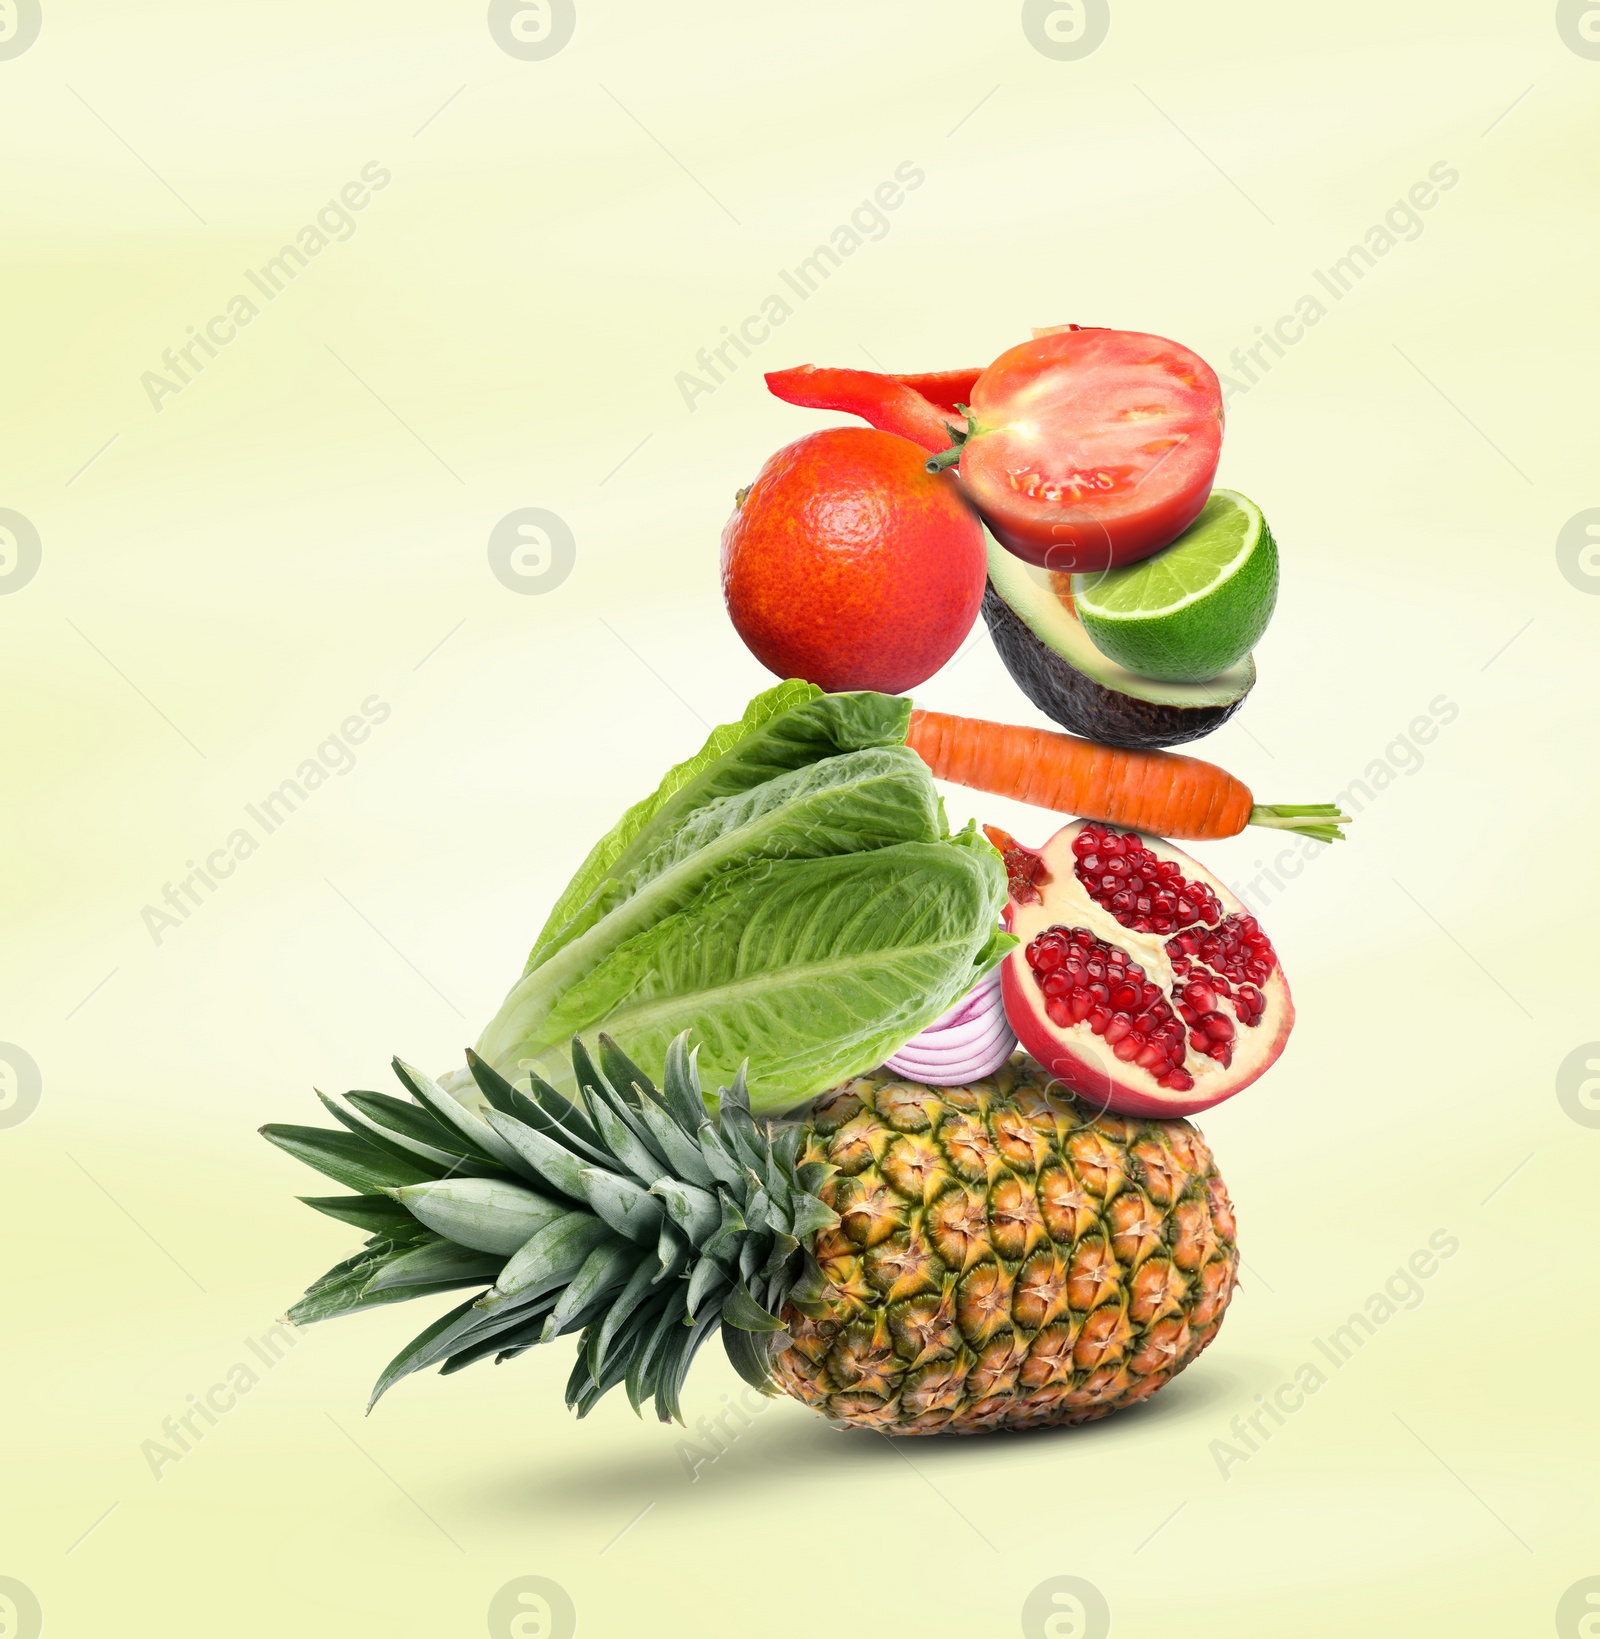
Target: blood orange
x: 849, y: 565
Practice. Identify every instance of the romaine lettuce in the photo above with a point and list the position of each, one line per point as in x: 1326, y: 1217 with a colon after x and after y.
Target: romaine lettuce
x: 791, y: 896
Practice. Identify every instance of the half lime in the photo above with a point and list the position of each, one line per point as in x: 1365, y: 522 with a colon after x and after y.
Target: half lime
x: 1194, y: 608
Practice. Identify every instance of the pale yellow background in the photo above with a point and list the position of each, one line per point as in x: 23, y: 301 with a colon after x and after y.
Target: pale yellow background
x: 305, y: 526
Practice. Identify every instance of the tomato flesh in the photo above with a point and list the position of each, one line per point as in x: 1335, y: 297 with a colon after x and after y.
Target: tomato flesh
x: 1092, y: 448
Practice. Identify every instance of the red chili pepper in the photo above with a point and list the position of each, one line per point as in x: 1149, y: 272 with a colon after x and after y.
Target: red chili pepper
x: 915, y: 407
x: 946, y: 390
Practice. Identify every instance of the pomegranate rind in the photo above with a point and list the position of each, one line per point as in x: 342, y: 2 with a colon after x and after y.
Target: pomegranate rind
x: 1079, y: 1058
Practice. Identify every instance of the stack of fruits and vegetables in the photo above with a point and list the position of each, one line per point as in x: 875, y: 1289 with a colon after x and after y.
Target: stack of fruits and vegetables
x: 898, y: 1111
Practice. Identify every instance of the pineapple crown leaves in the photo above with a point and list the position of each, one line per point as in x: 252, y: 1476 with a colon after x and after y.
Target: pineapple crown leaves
x: 635, y: 1216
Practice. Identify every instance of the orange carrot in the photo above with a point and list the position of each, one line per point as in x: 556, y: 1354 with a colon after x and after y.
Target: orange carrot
x: 1157, y: 792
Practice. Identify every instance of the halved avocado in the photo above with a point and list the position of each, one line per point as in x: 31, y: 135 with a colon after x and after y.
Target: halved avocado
x: 1037, y: 631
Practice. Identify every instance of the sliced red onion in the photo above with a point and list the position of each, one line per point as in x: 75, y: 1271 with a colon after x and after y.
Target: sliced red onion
x: 976, y: 1001
x: 953, y: 1037
x: 980, y: 1050
x: 971, y: 1040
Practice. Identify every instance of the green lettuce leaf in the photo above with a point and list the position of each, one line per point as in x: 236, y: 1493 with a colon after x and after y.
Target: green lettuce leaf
x: 840, y: 805
x: 812, y: 969
x: 787, y: 727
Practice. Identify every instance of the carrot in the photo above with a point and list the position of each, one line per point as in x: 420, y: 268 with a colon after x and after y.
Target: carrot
x: 1158, y: 792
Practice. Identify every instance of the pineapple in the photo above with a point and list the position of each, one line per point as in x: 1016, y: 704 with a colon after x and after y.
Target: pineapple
x: 1005, y: 1256
x: 910, y: 1259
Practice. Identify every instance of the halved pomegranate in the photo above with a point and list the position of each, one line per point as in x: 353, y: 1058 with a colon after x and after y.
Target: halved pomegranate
x: 1140, y: 980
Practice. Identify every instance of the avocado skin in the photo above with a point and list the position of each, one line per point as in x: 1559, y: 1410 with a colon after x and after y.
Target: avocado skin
x: 1083, y: 706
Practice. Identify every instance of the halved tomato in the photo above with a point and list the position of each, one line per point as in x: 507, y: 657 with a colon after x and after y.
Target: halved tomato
x: 1092, y: 448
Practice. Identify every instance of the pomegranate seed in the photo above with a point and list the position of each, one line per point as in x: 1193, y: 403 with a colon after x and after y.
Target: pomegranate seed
x: 1218, y: 1026
x: 1127, y: 1048
x: 1080, y: 1007
x: 1199, y: 1041
x: 1117, y: 1029
x: 1056, y: 984
x: 1056, y: 1011
x: 1152, y: 1058
x: 1099, y: 1018
x: 1180, y: 1081
x: 1083, y: 844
